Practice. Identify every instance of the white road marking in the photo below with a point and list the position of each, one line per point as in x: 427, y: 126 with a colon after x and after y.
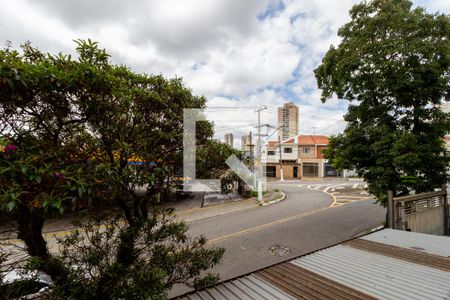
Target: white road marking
x: 333, y: 187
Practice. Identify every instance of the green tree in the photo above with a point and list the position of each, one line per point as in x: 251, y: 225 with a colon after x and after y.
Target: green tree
x: 80, y: 131
x: 162, y: 255
x: 211, y: 164
x: 392, y: 65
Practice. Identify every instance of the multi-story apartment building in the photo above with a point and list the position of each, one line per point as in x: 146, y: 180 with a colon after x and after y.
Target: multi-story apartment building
x: 288, y: 117
x: 229, y: 139
x: 301, y: 156
x: 246, y: 143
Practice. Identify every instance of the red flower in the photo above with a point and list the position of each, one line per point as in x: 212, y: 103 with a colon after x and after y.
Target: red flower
x: 10, y: 149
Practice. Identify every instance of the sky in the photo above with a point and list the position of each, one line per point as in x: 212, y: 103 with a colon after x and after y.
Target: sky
x: 239, y: 54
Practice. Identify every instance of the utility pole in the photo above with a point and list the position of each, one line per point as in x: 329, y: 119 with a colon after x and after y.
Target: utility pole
x: 314, y: 130
x: 258, y: 177
x: 281, y: 160
x: 279, y: 145
x: 251, y: 146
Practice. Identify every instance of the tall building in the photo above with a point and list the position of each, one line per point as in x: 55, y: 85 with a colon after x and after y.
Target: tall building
x: 288, y: 118
x: 246, y: 142
x: 229, y: 139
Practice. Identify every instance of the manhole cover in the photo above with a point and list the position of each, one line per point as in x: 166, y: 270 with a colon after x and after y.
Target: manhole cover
x: 279, y: 250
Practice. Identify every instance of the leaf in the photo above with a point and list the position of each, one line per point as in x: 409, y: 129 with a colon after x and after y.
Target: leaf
x: 38, y: 179
x: 11, y: 205
x: 11, y: 84
x: 4, y: 170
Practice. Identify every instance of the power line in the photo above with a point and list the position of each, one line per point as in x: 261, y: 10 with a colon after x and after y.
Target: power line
x: 330, y: 126
x: 247, y: 107
x: 234, y: 127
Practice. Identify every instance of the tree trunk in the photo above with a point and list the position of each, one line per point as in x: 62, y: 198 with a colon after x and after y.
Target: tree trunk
x: 30, y: 226
x: 30, y: 231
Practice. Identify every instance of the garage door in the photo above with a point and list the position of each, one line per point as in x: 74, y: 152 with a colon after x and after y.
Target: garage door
x: 331, y: 172
x: 310, y: 169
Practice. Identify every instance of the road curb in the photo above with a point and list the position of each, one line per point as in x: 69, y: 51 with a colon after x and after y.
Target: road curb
x: 283, y: 196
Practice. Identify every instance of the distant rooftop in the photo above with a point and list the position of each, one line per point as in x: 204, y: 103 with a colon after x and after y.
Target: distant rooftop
x: 387, y: 264
x: 303, y: 139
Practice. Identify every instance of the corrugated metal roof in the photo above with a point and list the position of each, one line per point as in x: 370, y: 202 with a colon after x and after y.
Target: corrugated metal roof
x: 378, y: 275
x: 414, y: 256
x: 388, y: 264
x: 248, y: 287
x: 438, y: 245
x: 302, y: 283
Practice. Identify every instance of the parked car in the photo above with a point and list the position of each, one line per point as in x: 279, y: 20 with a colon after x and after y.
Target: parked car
x: 24, y: 284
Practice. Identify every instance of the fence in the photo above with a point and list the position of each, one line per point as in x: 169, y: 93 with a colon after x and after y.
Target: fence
x: 425, y: 213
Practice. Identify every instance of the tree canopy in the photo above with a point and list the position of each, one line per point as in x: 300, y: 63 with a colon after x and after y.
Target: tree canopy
x: 82, y: 131
x: 392, y: 65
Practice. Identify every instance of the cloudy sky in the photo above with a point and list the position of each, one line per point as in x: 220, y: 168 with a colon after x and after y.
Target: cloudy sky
x: 238, y: 53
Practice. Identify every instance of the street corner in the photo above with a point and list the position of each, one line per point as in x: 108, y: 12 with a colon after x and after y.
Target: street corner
x: 273, y: 197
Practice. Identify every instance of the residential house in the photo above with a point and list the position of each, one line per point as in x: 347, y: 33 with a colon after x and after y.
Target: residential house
x: 301, y: 156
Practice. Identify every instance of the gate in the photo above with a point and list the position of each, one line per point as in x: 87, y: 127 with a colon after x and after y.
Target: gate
x: 425, y: 213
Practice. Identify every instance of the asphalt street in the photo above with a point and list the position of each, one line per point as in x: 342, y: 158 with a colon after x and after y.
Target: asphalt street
x: 313, y: 215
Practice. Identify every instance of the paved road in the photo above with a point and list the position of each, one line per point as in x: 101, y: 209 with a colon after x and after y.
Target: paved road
x: 313, y: 215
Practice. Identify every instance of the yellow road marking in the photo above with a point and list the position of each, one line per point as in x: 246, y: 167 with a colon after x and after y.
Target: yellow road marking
x: 300, y: 215
x: 297, y: 216
x: 356, y: 197
x: 235, y: 234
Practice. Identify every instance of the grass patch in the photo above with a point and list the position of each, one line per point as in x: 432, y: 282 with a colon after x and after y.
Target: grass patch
x: 255, y: 193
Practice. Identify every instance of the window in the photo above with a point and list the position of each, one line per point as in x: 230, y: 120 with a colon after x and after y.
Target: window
x: 305, y: 150
x: 270, y: 152
x: 287, y: 150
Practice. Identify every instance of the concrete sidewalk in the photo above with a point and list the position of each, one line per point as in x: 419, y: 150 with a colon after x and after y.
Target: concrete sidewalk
x: 201, y: 213
x: 188, y: 210
x: 228, y: 207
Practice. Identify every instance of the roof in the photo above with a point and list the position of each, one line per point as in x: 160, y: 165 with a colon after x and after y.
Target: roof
x: 312, y: 140
x: 387, y: 264
x: 272, y: 143
x: 303, y: 140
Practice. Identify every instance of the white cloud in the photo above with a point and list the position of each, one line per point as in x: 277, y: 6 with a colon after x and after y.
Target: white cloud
x: 237, y: 53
